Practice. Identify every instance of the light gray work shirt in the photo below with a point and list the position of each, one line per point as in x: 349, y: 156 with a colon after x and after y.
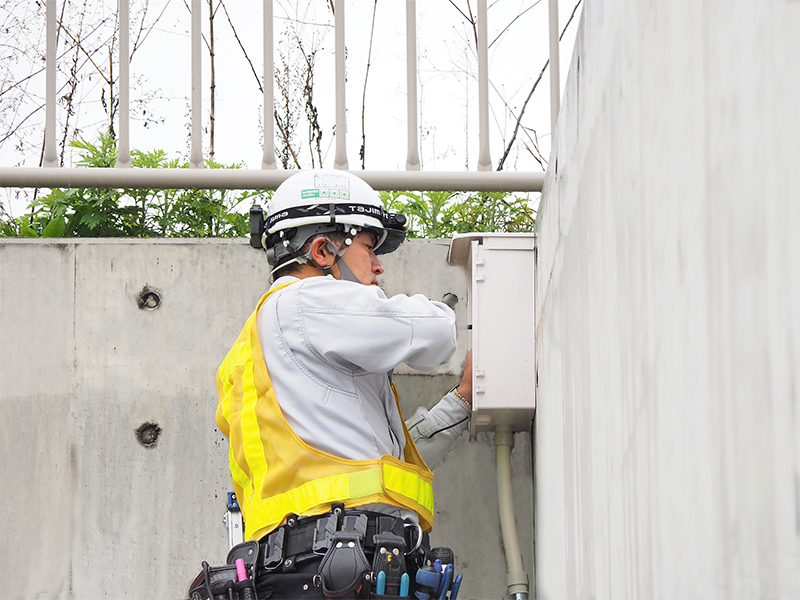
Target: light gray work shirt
x: 330, y: 347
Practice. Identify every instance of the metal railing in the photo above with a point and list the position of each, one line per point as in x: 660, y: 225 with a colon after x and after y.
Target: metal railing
x: 268, y: 177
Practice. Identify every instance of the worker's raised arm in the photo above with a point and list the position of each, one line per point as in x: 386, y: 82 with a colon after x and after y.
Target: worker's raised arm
x: 435, y: 431
x: 352, y: 324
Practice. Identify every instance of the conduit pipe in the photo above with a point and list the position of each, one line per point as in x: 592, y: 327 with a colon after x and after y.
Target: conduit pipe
x: 516, y: 577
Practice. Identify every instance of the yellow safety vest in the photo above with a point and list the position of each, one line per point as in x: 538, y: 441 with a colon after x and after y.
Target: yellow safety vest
x: 276, y: 474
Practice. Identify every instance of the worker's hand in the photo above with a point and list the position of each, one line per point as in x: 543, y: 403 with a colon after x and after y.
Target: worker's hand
x: 465, y: 387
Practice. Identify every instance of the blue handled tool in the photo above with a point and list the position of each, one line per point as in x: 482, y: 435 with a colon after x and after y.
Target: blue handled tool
x: 380, y: 586
x: 447, y: 579
x: 456, y: 587
x: 405, y: 582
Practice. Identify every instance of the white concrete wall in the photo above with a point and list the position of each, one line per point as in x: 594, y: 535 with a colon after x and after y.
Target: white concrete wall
x: 667, y: 434
x: 88, y: 511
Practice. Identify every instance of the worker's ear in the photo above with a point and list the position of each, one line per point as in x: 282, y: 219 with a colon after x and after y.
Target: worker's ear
x: 319, y: 252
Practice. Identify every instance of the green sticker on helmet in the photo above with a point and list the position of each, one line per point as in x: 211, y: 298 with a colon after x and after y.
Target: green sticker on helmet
x: 325, y: 193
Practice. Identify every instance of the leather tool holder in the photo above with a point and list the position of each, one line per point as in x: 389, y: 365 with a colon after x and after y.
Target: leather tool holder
x: 248, y: 552
x: 344, y: 570
x: 220, y: 583
x: 390, y: 550
x: 223, y: 582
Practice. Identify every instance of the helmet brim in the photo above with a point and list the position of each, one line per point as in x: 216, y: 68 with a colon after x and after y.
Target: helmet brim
x: 391, y: 242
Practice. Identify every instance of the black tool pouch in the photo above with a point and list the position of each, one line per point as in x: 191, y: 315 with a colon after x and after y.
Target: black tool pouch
x: 219, y: 583
x: 222, y: 583
x: 390, y: 558
x: 248, y: 552
x: 344, y: 569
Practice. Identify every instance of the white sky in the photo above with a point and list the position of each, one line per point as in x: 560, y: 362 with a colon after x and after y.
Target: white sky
x: 447, y: 91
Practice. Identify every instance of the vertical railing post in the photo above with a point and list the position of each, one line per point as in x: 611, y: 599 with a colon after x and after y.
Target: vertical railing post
x: 340, y: 162
x: 50, y: 158
x: 123, y: 143
x: 268, y: 160
x: 484, y: 158
x: 412, y: 158
x: 196, y: 153
x: 555, y: 81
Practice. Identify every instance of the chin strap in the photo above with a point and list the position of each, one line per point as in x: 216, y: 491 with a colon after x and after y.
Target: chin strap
x: 347, y: 274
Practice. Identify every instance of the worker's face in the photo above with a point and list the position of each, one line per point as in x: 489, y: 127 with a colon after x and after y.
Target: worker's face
x: 361, y: 259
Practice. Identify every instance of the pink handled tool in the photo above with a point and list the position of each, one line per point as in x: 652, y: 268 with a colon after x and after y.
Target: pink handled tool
x: 240, y: 570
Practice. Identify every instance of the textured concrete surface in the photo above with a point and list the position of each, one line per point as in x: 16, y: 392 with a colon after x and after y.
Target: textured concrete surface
x: 666, y: 436
x: 90, y: 511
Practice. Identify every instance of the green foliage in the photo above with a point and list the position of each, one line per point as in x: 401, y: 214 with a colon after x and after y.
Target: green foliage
x: 443, y: 214
x: 86, y: 212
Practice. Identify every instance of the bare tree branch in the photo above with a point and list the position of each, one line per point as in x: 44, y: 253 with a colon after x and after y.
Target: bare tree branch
x: 213, y: 86
x: 141, y: 41
x: 525, y: 104
x: 572, y: 16
x: 507, y: 27
x: 519, y: 118
x: 80, y: 46
x: 362, y: 151
x: 238, y: 41
x: 285, y: 137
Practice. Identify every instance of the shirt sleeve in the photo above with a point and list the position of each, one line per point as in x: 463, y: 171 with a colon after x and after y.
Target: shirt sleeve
x: 435, y: 431
x: 349, y: 324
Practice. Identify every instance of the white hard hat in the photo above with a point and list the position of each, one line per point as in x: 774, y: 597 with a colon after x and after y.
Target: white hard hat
x: 321, y: 201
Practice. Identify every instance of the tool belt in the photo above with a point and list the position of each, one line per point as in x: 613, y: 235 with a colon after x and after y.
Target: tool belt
x: 336, y: 555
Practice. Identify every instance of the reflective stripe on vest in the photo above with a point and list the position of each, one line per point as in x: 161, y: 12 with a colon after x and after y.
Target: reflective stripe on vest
x: 300, y: 479
x: 404, y: 488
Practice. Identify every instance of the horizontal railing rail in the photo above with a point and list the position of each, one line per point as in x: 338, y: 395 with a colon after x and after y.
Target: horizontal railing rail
x: 268, y: 177
x: 262, y: 179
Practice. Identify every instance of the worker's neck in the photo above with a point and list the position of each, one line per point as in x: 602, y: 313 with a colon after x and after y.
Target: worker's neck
x: 307, y: 270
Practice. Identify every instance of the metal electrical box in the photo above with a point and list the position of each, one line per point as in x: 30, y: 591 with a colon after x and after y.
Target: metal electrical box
x: 501, y: 309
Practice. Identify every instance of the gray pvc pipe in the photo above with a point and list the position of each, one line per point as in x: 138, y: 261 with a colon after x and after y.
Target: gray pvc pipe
x: 516, y: 577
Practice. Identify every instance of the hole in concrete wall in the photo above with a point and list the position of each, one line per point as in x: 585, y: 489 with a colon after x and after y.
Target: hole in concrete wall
x: 148, y: 299
x: 148, y: 434
x: 450, y: 299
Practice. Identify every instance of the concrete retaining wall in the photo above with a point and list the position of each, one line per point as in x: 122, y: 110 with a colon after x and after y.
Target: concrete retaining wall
x: 666, y: 436
x: 90, y: 511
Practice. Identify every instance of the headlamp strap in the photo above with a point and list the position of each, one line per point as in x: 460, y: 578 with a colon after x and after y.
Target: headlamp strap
x: 332, y: 210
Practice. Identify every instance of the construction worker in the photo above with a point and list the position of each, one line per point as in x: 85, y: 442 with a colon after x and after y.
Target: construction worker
x: 328, y: 475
